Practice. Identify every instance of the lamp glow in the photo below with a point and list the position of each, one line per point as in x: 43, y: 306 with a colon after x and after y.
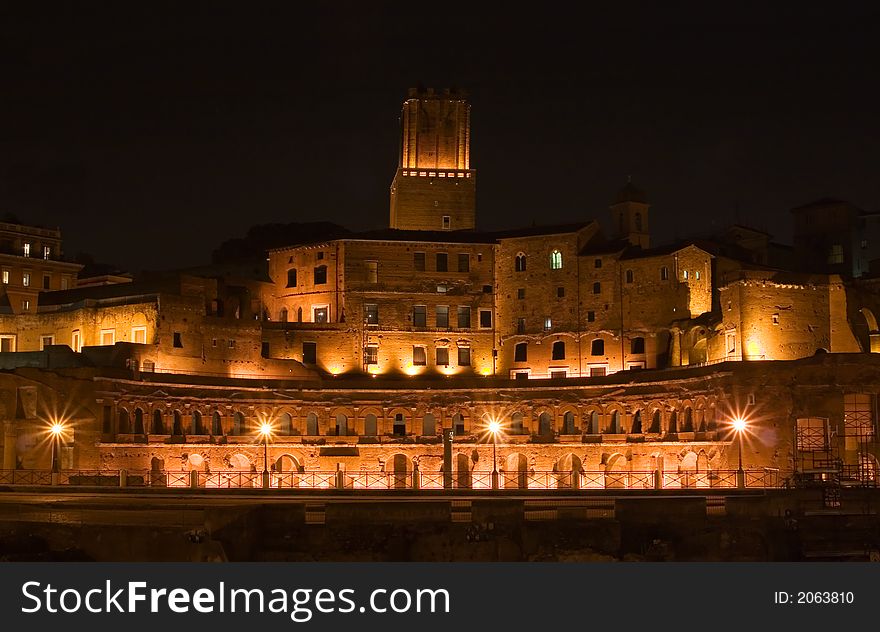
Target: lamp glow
x: 265, y: 429
x: 739, y: 424
x: 494, y: 427
x: 56, y: 428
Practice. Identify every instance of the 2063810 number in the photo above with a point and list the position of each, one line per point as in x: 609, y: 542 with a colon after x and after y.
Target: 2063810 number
x: 825, y: 597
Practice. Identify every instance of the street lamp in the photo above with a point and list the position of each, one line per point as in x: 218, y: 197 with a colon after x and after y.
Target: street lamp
x: 739, y: 427
x: 494, y: 429
x: 265, y: 432
x: 56, y: 430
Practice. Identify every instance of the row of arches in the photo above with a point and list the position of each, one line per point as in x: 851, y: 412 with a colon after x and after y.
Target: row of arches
x: 656, y: 417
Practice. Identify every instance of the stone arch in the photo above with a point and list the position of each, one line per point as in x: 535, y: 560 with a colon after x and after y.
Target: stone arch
x: 285, y: 424
x: 287, y: 463
x: 616, y: 470
x: 123, y: 423
x: 545, y: 424
x: 371, y: 424
x: 656, y: 421
x: 283, y: 315
x: 636, y: 426
x: 672, y: 422
x: 593, y: 423
x: 517, y: 423
x: 569, y: 420
x: 873, y: 342
x: 698, y: 345
x: 341, y: 418
x: 567, y: 470
x: 688, y: 461
x: 516, y: 471
x: 703, y: 462
x: 400, y: 469
x: 687, y: 421
x: 240, y: 462
x: 614, y: 420
x: 238, y: 423
x: 459, y: 419
x: 216, y: 424
x: 197, y: 427
x: 429, y: 425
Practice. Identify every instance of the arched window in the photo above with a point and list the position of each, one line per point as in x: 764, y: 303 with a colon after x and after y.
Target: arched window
x: 629, y: 276
x: 237, y: 423
x: 673, y: 422
x: 196, y: 423
x: 282, y: 315
x: 555, y: 260
x: 286, y: 424
x: 341, y: 425
x: 614, y: 428
x: 312, y: 425
x: 597, y: 288
x: 519, y: 263
x: 291, y: 277
x: 216, y: 424
x: 597, y: 347
x: 559, y: 350
x: 655, y: 421
x: 177, y: 424
x: 429, y: 425
x: 593, y: 427
x: 516, y: 423
x: 122, y: 423
x: 299, y: 314
x: 637, y: 423
x: 568, y: 423
x: 637, y: 345
x: 158, y: 424
x: 521, y: 352
x: 458, y: 424
x: 138, y: 422
x: 545, y: 424
x: 371, y: 426
x: 688, y: 420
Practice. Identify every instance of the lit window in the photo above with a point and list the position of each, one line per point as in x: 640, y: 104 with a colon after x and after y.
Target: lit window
x: 371, y: 314
x: 7, y: 344
x: 419, y: 357
x: 548, y: 324
x: 25, y: 305
x: 139, y: 336
x: 371, y: 354
x: 26, y: 279
x: 6, y: 277
x: 76, y: 340
x: 108, y: 337
x: 47, y: 252
x: 697, y: 275
x: 320, y: 314
x: 664, y: 273
x: 555, y: 260
x: 684, y: 275
x: 26, y: 249
x: 441, y: 289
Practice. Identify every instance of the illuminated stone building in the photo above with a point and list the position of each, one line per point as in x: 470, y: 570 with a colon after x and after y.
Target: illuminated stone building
x: 379, y: 358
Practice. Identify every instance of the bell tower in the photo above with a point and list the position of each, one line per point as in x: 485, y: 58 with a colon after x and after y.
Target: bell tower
x: 434, y: 187
x: 630, y: 216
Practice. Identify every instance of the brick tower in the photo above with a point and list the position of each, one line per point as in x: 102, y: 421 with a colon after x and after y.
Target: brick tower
x: 434, y: 186
x: 630, y: 216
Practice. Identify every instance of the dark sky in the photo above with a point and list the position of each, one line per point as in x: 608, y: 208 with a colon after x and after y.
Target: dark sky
x: 152, y: 133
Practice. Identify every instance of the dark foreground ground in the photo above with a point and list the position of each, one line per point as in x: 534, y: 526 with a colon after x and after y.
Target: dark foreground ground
x: 165, y: 525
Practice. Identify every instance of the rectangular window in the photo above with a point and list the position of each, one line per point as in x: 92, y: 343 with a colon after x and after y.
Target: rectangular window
x: 399, y: 427
x: 419, y: 357
x: 47, y: 281
x: 811, y: 434
x: 319, y: 255
x: 464, y: 317
x: 664, y: 273
x: 597, y: 263
x: 26, y: 279
x: 548, y: 324
x: 371, y: 268
x: 442, y: 262
x: 371, y: 354
x: 835, y: 254
x: 487, y: 289
x: 520, y: 325
x: 6, y: 277
x: 139, y: 335
x: 597, y: 371
x: 420, y: 316
x: 521, y: 375
x: 76, y: 340
x: 7, y: 344
x: 46, y: 341
x: 419, y: 261
x: 560, y: 292
x: 310, y: 353
x: 447, y: 222
x: 26, y: 249
x: 684, y: 275
x: 442, y: 356
x: 591, y: 317
x: 464, y: 356
x: 371, y: 314
x: 47, y: 252
x: 320, y: 275
x: 26, y: 305
x: 320, y: 314
x: 485, y: 319
x: 464, y: 262
x: 521, y: 293
x: 557, y: 374
x: 731, y: 344
x: 65, y: 283
x: 442, y: 289
x: 442, y: 316
x: 521, y: 352
x: 108, y: 337
x: 178, y: 340
x: 231, y: 343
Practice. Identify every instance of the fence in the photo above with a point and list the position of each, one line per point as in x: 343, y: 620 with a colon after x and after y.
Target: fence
x: 377, y: 480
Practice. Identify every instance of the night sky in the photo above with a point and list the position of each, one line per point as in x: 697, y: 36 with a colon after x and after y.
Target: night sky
x: 152, y: 133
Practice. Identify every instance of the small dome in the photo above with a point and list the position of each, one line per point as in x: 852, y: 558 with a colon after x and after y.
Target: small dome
x: 630, y: 193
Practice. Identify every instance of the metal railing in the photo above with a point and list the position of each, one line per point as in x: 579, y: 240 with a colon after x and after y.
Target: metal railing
x: 378, y: 480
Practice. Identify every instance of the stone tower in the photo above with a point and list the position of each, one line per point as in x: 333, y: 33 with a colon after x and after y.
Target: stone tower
x: 434, y: 187
x: 629, y: 214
